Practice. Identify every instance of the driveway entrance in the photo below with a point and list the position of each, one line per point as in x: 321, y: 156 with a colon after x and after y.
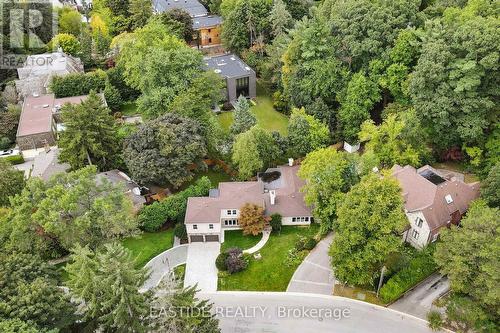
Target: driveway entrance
x: 200, y: 266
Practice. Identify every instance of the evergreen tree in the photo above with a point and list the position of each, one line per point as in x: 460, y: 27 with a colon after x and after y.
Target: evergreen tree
x: 280, y: 18
x: 90, y: 136
x: 243, y: 117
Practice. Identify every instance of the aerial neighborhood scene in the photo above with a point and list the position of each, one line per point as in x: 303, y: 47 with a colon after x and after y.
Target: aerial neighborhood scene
x: 190, y: 166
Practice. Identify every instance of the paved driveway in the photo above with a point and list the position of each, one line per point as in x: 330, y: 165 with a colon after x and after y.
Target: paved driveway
x: 314, y: 275
x: 160, y: 265
x: 306, y: 313
x: 419, y: 301
x: 200, y: 266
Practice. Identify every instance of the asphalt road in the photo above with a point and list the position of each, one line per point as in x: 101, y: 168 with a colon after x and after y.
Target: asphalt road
x: 253, y: 312
x: 418, y: 302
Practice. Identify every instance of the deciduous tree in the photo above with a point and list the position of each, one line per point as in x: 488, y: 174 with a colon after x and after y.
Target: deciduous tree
x: 369, y: 227
x: 252, y: 219
x: 306, y: 133
x: 11, y: 182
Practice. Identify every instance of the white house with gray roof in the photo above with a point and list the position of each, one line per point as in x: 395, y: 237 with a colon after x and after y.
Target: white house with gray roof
x: 240, y: 78
x: 208, y: 217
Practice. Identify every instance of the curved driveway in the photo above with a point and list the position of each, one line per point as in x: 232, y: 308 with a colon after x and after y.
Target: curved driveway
x: 163, y: 263
x: 298, y: 312
x: 314, y: 274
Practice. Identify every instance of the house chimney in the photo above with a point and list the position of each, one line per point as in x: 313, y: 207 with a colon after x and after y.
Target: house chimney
x: 272, y: 195
x: 290, y: 162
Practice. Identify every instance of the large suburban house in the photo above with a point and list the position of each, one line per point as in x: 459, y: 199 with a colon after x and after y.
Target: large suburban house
x: 433, y: 200
x: 277, y: 191
x: 206, y: 26
x: 36, y: 74
x: 40, y: 120
x: 240, y: 78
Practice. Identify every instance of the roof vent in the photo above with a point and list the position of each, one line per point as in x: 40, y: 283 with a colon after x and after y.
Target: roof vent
x: 45, y: 105
x: 448, y: 199
x: 272, y: 197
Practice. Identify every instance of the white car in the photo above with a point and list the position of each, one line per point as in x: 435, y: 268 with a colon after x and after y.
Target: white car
x: 9, y: 152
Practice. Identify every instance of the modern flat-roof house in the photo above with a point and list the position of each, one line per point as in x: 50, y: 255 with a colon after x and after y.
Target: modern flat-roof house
x: 40, y: 117
x: 208, y: 217
x: 36, y: 74
x: 432, y: 200
x: 240, y: 78
x: 207, y: 27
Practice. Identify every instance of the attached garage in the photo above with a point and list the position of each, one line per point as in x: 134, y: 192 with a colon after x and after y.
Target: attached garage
x: 211, y: 238
x: 196, y: 238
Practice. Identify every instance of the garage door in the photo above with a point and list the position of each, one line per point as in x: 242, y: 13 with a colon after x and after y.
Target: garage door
x: 211, y: 238
x: 196, y: 238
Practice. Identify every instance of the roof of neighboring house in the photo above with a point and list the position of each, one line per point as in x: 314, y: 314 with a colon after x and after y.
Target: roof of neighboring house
x: 36, y: 115
x: 208, y: 21
x: 228, y: 65
x: 117, y: 177
x: 192, y: 7
x: 38, y: 70
x: 427, y: 190
x: 233, y: 195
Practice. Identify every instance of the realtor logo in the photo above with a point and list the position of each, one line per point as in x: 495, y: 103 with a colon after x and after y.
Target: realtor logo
x: 26, y: 28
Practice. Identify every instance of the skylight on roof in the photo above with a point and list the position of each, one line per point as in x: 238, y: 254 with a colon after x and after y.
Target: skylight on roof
x: 432, y: 177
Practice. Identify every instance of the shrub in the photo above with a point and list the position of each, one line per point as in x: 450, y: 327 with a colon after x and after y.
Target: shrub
x: 77, y: 84
x: 235, y: 261
x: 299, y: 244
x: 418, y: 268
x: 276, y: 222
x: 220, y: 262
x: 5, y: 142
x: 180, y: 231
x: 310, y: 244
x: 435, y: 320
x: 15, y: 159
x: 173, y: 208
x: 280, y: 103
x: 294, y: 257
x: 112, y: 96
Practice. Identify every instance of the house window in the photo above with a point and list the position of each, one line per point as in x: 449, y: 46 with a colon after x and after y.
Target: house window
x: 242, y: 86
x: 229, y: 211
x: 419, y: 222
x: 312, y: 219
x: 415, y: 234
x: 294, y: 219
x: 209, y: 30
x: 230, y: 222
x: 210, y: 226
x: 307, y: 218
x: 234, y: 211
x: 195, y: 227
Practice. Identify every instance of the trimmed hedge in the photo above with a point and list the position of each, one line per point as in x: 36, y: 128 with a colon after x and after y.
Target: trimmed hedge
x: 173, y: 208
x: 419, y: 268
x: 77, y: 84
x: 14, y: 159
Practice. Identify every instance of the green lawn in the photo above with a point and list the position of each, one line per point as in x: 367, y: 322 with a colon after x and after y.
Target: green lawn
x: 270, y: 273
x: 267, y: 117
x: 129, y: 109
x: 215, y: 178
x: 235, y: 238
x: 149, y: 244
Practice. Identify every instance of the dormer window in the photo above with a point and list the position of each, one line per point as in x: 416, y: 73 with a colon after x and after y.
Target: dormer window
x: 448, y: 199
x: 229, y: 211
x: 419, y: 222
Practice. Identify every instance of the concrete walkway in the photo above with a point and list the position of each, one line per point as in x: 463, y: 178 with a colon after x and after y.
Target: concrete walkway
x: 200, y: 266
x: 260, y: 244
x: 314, y: 275
x: 418, y: 302
x: 160, y: 265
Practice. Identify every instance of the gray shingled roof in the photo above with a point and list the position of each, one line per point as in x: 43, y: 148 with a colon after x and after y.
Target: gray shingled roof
x: 192, y: 7
x: 206, y: 21
x: 228, y: 65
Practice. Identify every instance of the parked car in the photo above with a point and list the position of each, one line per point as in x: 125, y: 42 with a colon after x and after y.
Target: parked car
x: 9, y: 152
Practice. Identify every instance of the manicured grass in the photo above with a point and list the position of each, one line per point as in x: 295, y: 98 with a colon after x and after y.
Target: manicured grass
x: 267, y: 117
x: 149, y: 244
x: 215, y: 178
x: 235, y: 238
x: 129, y: 109
x: 269, y: 273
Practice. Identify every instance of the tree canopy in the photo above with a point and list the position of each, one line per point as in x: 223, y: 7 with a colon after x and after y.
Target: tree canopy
x: 306, y: 133
x: 11, y: 182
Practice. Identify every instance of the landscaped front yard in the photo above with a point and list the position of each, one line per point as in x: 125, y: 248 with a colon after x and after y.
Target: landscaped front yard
x: 269, y: 273
x: 149, y: 244
x: 235, y: 238
x: 267, y: 117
